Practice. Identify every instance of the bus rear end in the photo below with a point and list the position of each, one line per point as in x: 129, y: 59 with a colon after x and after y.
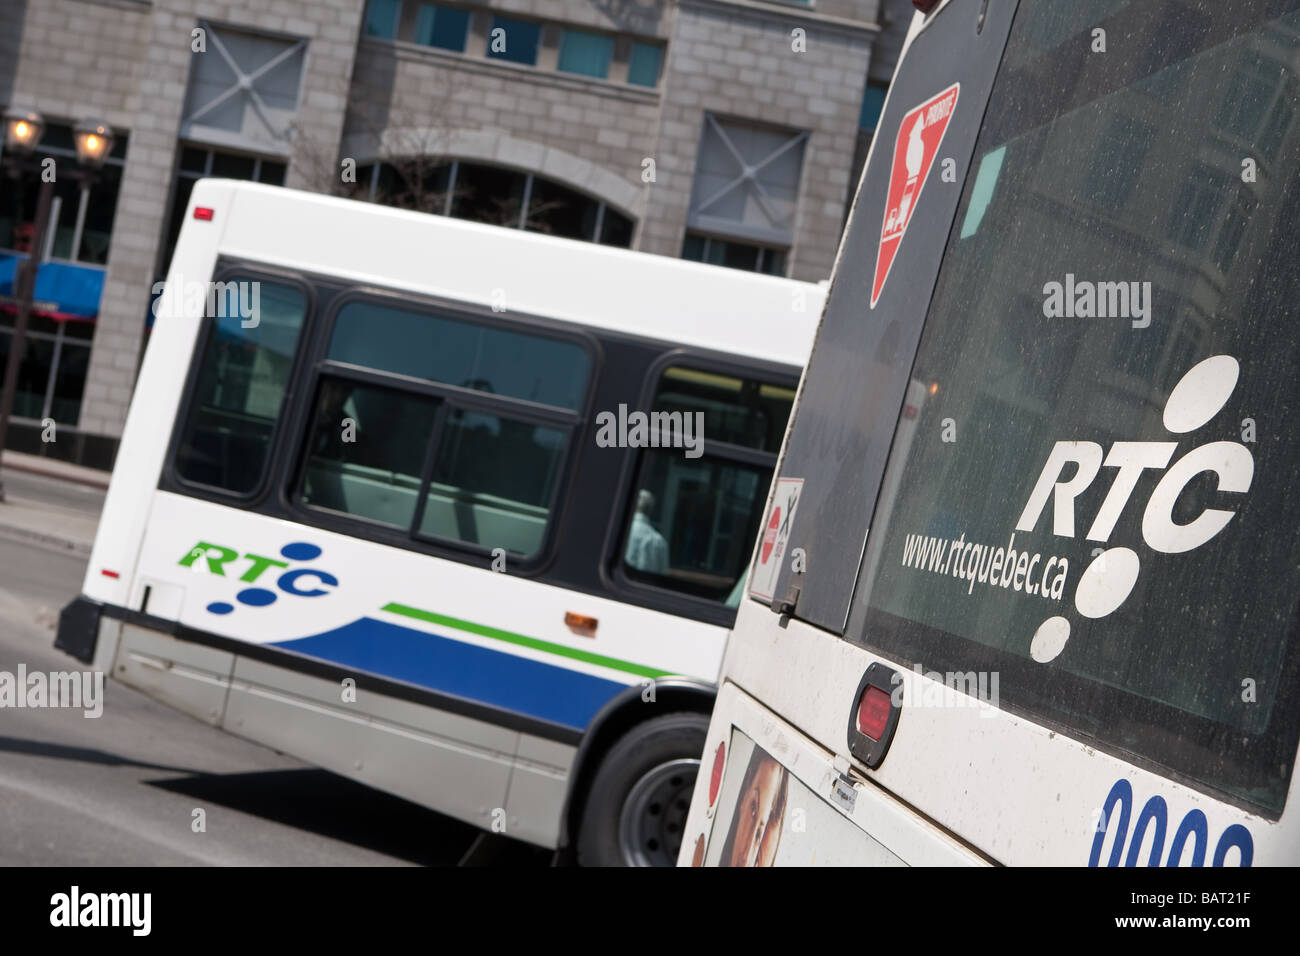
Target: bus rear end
x: 1026, y: 592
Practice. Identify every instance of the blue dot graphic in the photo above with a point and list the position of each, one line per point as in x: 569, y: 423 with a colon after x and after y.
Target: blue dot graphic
x: 256, y: 597
x: 300, y: 551
x: 220, y: 607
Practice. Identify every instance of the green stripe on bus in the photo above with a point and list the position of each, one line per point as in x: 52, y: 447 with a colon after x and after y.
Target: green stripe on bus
x: 539, y: 645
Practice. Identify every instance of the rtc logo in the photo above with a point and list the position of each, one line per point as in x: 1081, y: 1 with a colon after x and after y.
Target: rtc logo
x: 919, y: 136
x: 1107, y: 582
x: 214, y: 558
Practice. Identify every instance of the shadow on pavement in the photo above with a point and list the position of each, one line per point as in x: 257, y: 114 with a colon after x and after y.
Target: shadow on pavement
x: 320, y: 802
x: 342, y: 809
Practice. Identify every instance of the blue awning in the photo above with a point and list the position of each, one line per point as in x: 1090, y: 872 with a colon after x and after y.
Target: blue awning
x: 63, y: 290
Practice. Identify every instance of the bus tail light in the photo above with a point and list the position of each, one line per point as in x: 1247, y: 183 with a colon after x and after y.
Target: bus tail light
x: 873, y: 712
x: 874, y: 716
x: 203, y: 212
x: 715, y: 778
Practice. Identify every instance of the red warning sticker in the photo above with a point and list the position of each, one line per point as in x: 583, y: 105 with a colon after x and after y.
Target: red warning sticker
x: 919, y: 136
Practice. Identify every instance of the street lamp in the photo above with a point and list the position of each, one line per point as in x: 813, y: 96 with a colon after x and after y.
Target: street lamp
x: 23, y: 131
x: 94, y: 142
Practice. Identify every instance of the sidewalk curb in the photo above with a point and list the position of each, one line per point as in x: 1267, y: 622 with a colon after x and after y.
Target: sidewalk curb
x: 27, y: 536
x: 93, y: 481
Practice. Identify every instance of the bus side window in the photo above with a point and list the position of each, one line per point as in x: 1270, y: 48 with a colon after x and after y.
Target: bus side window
x: 695, y: 508
x: 494, y: 459
x: 239, y: 391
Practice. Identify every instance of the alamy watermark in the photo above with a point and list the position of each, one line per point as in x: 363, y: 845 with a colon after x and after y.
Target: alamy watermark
x: 240, y: 299
x: 948, y: 689
x: 639, y: 429
x: 78, y: 690
x: 1084, y: 299
x: 128, y: 910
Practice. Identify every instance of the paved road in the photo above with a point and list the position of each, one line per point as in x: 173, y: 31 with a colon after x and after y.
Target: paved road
x: 120, y: 789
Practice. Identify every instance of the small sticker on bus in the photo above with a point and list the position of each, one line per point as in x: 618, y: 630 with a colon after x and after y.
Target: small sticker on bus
x: 775, y: 536
x: 919, y: 136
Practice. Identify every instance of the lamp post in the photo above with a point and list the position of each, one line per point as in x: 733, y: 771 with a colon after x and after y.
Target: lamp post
x: 22, y: 134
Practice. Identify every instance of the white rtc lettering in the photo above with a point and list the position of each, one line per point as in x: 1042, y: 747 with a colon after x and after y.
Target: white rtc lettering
x: 1131, y: 458
x: 1235, y: 468
x: 1087, y: 455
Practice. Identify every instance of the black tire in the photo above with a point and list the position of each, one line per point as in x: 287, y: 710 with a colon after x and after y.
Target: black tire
x: 653, y: 754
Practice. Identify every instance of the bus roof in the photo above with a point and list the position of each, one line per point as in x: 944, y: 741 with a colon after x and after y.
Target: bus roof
x: 729, y: 310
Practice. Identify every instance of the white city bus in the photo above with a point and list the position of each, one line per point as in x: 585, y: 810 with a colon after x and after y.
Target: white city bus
x: 382, y: 502
x: 1027, y: 587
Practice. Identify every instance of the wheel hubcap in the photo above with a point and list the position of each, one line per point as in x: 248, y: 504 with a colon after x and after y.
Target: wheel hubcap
x: 654, y: 814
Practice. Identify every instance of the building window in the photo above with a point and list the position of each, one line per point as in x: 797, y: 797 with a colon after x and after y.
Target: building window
x: 81, y: 221
x: 588, y: 54
x: 494, y: 195
x: 747, y: 181
x: 52, y: 373
x: 382, y: 17
x: 873, y: 102
x: 53, y: 370
x: 443, y: 27
x: 243, y: 91
x: 514, y: 41
x: 198, y: 162
x: 734, y: 255
x: 643, y: 64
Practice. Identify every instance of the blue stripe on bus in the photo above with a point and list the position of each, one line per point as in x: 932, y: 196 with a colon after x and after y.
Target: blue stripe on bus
x: 438, y: 663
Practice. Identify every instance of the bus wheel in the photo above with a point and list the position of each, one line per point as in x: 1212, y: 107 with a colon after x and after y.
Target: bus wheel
x: 637, y: 808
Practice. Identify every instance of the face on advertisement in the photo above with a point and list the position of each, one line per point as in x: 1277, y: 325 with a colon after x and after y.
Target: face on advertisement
x: 760, y: 811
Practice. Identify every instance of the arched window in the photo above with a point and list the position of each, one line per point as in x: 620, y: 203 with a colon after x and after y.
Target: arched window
x: 492, y: 194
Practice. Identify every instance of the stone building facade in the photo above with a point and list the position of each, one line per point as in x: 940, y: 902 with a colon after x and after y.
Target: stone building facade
x: 722, y: 130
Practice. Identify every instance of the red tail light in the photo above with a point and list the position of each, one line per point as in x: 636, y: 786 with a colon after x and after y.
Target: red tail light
x: 873, y: 712
x: 203, y: 212
x: 874, y: 716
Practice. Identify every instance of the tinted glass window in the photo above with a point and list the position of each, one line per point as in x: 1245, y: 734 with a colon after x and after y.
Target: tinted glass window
x: 514, y: 40
x: 488, y: 194
x: 382, y: 17
x: 585, y: 53
x: 442, y: 27
x: 695, y: 509
x: 1092, y: 489
x: 243, y: 371
x: 737, y: 411
x: 558, y: 211
x: 616, y: 229
x: 493, y: 480
x: 456, y: 352
x: 643, y: 64
x: 693, y: 524
x: 365, y: 451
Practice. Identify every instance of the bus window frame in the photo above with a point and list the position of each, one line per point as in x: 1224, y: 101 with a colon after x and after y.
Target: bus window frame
x: 223, y: 272
x: 612, y: 571
x: 448, y: 396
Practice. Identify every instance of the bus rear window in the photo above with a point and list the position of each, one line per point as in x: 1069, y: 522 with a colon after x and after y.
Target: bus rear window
x: 1092, y: 490
x: 242, y: 375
